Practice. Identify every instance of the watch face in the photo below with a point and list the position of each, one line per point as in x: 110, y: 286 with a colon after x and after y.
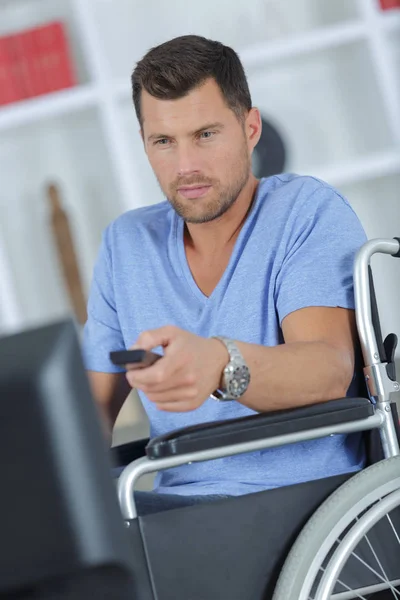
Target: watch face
x: 239, y: 381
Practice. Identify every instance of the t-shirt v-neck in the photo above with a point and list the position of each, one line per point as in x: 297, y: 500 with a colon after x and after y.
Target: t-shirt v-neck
x: 296, y: 249
x: 178, y: 229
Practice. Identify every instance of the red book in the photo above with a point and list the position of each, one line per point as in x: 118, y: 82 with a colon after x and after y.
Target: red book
x: 11, y: 85
x: 7, y: 90
x: 22, y: 64
x: 389, y: 4
x: 53, y: 54
x: 31, y: 63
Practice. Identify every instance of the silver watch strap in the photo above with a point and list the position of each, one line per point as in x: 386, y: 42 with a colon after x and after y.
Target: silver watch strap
x: 233, y: 350
x: 234, y: 355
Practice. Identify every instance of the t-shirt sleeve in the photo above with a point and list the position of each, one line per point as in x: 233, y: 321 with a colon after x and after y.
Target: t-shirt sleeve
x: 102, y: 332
x: 318, y: 257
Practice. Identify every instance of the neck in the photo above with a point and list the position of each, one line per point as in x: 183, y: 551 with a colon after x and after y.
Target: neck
x: 206, y: 238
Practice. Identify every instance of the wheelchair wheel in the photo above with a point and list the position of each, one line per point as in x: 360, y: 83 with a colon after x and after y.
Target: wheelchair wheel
x: 350, y: 548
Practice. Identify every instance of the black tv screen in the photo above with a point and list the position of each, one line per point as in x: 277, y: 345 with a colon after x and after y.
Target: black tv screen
x: 61, y: 530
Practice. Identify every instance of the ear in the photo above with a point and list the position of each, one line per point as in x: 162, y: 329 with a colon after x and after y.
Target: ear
x: 253, y: 127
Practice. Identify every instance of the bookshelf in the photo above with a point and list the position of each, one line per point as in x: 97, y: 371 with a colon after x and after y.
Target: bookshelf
x: 56, y: 104
x: 327, y: 73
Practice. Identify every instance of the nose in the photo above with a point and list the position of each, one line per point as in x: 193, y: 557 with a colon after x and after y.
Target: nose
x: 188, y: 162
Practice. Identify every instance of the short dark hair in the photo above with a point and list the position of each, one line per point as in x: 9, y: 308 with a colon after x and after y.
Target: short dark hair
x: 174, y: 68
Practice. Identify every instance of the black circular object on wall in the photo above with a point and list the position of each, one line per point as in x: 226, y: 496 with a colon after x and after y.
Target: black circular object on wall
x: 269, y: 156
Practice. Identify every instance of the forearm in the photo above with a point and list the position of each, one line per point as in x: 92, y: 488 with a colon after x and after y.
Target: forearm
x: 294, y: 374
x: 110, y: 391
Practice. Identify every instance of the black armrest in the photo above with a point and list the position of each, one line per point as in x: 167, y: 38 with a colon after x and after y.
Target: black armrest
x: 126, y: 453
x: 256, y: 427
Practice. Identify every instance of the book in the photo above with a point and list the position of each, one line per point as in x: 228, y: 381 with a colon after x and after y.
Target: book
x: 34, y: 80
x: 389, y: 4
x: 53, y: 54
x: 35, y: 61
x: 9, y: 91
x: 16, y: 67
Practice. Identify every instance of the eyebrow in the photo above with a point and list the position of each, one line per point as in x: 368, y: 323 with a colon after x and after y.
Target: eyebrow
x: 215, y: 125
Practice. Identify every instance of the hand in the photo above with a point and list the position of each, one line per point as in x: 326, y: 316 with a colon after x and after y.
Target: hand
x: 186, y: 375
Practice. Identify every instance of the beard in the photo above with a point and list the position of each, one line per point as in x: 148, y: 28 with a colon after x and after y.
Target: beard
x: 223, y: 196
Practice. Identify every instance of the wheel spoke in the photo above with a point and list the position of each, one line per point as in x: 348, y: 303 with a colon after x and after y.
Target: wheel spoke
x: 396, y: 535
x: 342, y: 553
x: 379, y: 563
x: 347, y: 587
x: 370, y: 589
x: 395, y: 593
x: 375, y: 555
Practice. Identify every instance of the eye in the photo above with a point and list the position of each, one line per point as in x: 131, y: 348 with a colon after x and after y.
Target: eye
x: 161, y: 142
x: 205, y: 135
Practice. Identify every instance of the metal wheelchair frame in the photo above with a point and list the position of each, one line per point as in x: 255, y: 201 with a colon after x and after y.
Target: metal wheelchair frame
x: 380, y: 388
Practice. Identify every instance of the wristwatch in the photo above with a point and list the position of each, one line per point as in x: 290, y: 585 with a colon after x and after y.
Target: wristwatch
x: 236, y: 375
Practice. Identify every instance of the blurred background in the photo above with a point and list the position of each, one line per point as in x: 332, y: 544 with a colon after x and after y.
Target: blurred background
x: 325, y: 75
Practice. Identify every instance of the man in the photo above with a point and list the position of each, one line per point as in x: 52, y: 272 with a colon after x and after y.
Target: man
x: 267, y: 264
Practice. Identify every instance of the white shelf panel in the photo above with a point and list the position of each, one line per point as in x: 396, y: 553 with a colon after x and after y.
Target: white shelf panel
x: 339, y: 173
x: 310, y: 65
x: 326, y: 106
x: 10, y: 315
x: 72, y: 152
x: 391, y: 20
x: 375, y: 19
x: 394, y: 49
x: 248, y: 23
x: 149, y: 191
x: 370, y: 167
x: 48, y: 106
x: 376, y: 202
x: 256, y: 55
x: 321, y: 39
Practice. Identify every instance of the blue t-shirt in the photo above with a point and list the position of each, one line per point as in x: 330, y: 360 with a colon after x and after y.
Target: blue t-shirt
x: 295, y: 249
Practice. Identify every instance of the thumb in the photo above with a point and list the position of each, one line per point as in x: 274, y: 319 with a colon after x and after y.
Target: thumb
x: 152, y: 338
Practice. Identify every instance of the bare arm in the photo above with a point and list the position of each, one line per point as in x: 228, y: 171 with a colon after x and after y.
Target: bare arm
x: 110, y: 391
x: 316, y: 363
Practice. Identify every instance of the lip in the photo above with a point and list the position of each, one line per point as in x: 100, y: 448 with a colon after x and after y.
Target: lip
x: 194, y: 191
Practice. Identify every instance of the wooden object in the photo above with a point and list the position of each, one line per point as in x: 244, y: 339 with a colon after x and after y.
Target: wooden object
x: 66, y: 253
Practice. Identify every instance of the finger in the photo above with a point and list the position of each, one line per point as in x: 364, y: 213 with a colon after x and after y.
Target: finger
x: 181, y: 406
x: 152, y: 338
x: 163, y: 376
x: 174, y: 396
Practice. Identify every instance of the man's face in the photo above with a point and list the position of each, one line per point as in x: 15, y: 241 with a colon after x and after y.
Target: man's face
x: 199, y: 150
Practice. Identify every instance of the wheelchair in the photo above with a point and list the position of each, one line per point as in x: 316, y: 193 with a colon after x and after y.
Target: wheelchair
x: 68, y: 533
x: 333, y: 538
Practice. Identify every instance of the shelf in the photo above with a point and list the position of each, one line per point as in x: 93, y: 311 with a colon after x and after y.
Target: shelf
x: 71, y: 151
x: 71, y: 100
x: 332, y: 116
x: 391, y: 20
x: 17, y: 15
x: 321, y: 39
x: 148, y: 189
x: 257, y: 55
x: 376, y: 203
x: 316, y: 70
x: 44, y: 107
x: 257, y: 22
x: 394, y: 45
x: 10, y: 314
x: 360, y: 170
x: 338, y: 173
